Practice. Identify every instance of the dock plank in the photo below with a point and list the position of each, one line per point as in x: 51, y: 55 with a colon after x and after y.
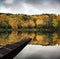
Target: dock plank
x: 10, y: 51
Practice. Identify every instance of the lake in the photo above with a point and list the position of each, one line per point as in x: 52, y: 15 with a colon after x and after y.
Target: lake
x: 44, y: 45
x: 39, y: 52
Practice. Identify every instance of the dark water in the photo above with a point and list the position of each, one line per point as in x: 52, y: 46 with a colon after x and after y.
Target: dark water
x: 40, y: 38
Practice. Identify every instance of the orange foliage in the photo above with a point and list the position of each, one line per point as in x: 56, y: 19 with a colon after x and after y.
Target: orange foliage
x: 13, y: 22
x: 31, y: 23
x: 24, y: 24
x: 13, y: 37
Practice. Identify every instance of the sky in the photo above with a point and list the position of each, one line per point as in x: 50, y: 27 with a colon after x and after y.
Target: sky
x: 30, y: 6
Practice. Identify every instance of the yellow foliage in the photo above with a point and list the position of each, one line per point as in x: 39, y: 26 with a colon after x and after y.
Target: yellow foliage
x: 3, y: 42
x: 54, y: 22
x: 58, y: 18
x: 32, y: 35
x: 13, y: 23
x: 55, y: 36
x: 31, y: 23
x: 24, y: 24
x: 58, y: 41
x: 24, y: 35
x: 40, y: 21
x: 40, y: 39
x: 13, y: 37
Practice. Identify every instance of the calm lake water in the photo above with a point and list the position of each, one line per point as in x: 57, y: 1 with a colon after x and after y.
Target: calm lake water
x: 44, y: 45
x: 39, y: 52
x: 39, y: 38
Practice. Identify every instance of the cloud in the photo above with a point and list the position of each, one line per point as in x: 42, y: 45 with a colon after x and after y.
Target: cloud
x: 5, y: 10
x: 1, y: 0
x: 41, y: 1
x: 9, y: 1
x: 30, y: 6
x: 45, y: 6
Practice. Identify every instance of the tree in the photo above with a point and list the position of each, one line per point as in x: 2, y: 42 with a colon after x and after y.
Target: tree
x: 13, y: 22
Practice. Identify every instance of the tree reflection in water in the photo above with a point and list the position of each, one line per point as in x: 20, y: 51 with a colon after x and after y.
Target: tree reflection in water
x: 37, y: 38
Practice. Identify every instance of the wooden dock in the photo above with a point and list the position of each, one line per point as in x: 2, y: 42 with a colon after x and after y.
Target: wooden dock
x: 10, y: 51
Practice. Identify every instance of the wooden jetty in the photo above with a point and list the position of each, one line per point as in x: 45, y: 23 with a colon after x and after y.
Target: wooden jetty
x: 10, y: 51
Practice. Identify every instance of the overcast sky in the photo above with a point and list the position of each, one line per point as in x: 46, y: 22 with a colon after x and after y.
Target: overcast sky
x: 30, y: 6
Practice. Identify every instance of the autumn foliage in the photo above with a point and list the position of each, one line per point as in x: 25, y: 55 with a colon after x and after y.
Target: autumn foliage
x: 25, y: 21
x: 43, y: 28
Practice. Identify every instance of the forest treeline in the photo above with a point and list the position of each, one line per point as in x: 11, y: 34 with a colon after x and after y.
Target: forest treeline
x: 18, y: 21
x: 45, y: 22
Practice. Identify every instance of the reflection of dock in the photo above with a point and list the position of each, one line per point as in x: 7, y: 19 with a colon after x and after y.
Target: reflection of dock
x: 10, y: 51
